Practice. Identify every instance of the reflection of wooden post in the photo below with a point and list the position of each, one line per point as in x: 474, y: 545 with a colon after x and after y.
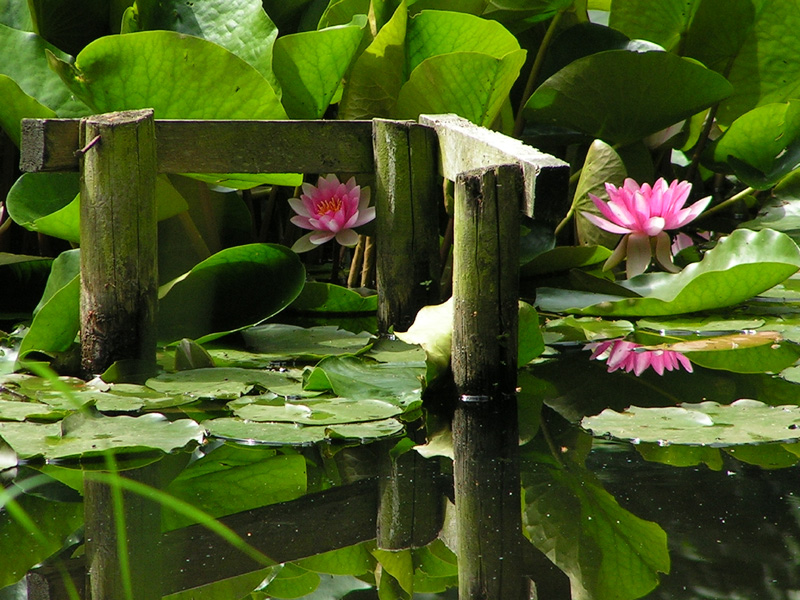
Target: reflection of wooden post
x: 484, y: 356
x: 409, y: 511
x: 140, y: 539
x: 119, y: 283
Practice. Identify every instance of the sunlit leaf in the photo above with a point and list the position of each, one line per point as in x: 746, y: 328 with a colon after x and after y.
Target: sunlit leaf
x: 288, y: 342
x: 664, y: 22
x: 291, y: 581
x: 218, y: 382
x: 705, y: 423
x: 602, y: 165
x: 323, y: 411
x: 604, y: 95
x: 323, y: 297
x: 179, y: 76
x: 564, y: 258
x: 310, y: 66
x: 18, y: 105
x: 251, y: 39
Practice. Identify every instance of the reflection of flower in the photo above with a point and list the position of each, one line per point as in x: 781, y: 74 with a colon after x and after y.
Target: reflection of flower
x: 620, y: 354
x: 331, y: 209
x: 643, y: 215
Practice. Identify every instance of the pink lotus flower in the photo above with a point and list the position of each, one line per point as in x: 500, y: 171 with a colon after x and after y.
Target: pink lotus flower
x: 620, y: 354
x: 643, y: 215
x: 331, y: 209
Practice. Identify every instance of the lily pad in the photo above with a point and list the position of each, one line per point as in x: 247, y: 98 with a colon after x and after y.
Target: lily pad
x: 290, y: 342
x: 703, y: 424
x: 273, y: 434
x: 83, y: 434
x: 741, y: 266
x: 324, y: 411
x: 11, y: 410
x: 319, y: 297
x: 225, y: 383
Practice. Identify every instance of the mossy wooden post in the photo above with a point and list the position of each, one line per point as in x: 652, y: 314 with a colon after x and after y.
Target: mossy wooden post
x: 407, y: 241
x: 113, y: 540
x: 119, y: 282
x: 484, y: 359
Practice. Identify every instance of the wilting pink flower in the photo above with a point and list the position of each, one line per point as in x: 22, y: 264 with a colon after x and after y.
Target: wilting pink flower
x: 330, y: 209
x: 643, y: 215
x: 620, y: 354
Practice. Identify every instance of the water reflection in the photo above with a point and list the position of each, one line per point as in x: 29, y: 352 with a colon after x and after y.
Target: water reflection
x: 732, y: 534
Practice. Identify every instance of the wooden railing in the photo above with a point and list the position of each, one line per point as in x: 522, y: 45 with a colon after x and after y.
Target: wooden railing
x: 495, y: 178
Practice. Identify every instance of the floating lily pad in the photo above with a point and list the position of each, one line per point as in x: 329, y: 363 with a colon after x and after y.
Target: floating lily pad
x: 274, y: 434
x: 705, y: 423
x: 324, y: 411
x: 288, y: 342
x: 20, y: 411
x: 225, y: 383
x: 83, y: 434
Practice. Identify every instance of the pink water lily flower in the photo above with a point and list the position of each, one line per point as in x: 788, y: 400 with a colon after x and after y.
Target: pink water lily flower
x: 620, y: 354
x: 331, y: 209
x: 643, y: 214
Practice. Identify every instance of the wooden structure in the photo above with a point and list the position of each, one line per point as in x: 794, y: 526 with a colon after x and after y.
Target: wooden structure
x: 495, y: 177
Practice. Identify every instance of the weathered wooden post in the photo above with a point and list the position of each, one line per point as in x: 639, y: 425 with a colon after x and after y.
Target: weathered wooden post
x: 484, y: 360
x: 410, y: 509
x: 119, y: 283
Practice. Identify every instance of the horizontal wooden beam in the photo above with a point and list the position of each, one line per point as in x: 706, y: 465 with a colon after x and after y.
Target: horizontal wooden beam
x: 219, y: 146
x: 464, y: 146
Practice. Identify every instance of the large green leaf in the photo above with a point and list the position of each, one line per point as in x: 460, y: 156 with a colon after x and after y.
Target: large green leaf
x: 48, y: 203
x: 310, y: 66
x: 741, y: 266
x: 320, y: 297
x: 469, y: 84
x: 705, y: 423
x: 765, y: 67
x: 18, y: 105
x: 251, y: 39
x: 57, y: 318
x: 378, y: 74
x: 622, y: 96
x: 226, y: 383
x: 435, y: 32
x: 782, y: 211
x: 16, y: 14
x: 25, y: 62
x: 276, y: 341
x: 179, y: 76
x: 234, y: 288
x: 664, y: 22
x: 583, y: 530
x: 763, y: 142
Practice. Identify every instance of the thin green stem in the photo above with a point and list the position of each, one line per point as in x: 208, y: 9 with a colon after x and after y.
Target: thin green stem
x: 726, y: 203
x: 519, y: 122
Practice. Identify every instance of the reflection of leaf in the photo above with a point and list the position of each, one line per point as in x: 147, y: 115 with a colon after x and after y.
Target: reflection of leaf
x: 705, y: 423
x: 742, y: 265
x: 583, y: 530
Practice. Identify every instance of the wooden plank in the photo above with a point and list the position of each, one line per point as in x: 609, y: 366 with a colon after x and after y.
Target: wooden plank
x: 219, y: 146
x: 484, y: 360
x: 119, y: 268
x: 335, y: 518
x: 464, y: 146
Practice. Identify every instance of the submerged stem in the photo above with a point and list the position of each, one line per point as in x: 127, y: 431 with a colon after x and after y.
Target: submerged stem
x: 535, y: 69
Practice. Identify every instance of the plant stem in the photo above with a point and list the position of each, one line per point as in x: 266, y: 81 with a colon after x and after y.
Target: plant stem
x: 726, y: 203
x: 535, y: 69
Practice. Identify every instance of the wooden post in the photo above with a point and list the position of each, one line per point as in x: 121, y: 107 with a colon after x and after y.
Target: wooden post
x: 484, y: 359
x: 409, y: 513
x: 119, y: 282
x: 141, y: 537
x: 407, y: 219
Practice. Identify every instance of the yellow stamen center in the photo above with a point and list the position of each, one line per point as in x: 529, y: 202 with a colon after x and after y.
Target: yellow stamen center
x: 329, y: 205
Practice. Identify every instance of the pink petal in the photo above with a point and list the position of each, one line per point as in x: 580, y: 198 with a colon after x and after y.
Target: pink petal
x: 299, y: 207
x: 320, y: 237
x: 303, y: 222
x: 347, y: 237
x: 654, y: 226
x: 365, y: 216
x: 639, y: 254
x: 605, y: 225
